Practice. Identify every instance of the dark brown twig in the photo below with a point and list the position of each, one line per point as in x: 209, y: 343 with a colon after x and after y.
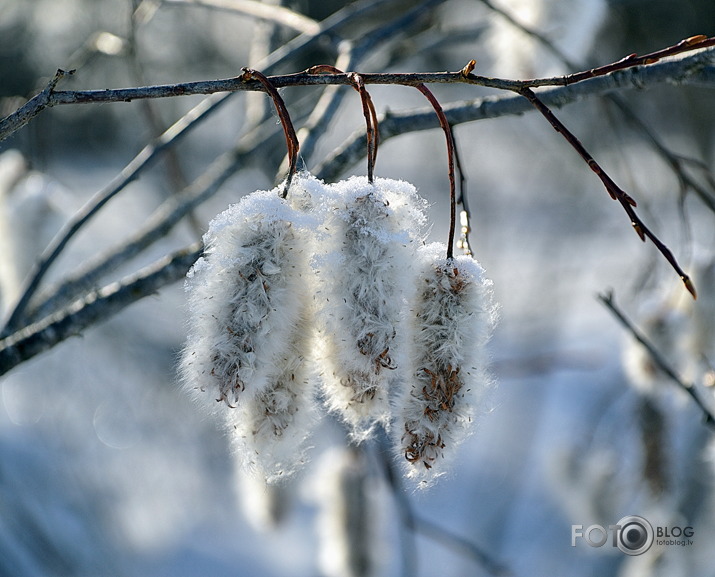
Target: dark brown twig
x: 450, y: 162
x: 368, y: 110
x: 692, y: 43
x: 613, y: 189
x: 608, y: 300
x: 291, y: 138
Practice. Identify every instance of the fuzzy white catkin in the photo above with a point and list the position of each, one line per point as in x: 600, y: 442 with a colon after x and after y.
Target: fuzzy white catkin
x: 363, y: 280
x: 452, y: 320
x: 246, y: 346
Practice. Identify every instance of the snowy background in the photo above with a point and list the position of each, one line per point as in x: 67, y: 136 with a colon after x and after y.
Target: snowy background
x: 106, y: 468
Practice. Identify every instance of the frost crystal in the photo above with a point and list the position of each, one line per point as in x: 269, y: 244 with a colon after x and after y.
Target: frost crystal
x: 453, y: 317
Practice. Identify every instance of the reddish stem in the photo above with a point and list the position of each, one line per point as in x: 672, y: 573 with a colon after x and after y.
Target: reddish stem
x: 291, y: 137
x: 368, y: 110
x: 450, y: 160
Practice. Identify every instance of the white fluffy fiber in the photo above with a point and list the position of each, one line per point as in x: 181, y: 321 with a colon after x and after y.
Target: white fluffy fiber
x: 331, y: 285
x: 246, y: 346
x: 452, y: 320
x: 363, y: 277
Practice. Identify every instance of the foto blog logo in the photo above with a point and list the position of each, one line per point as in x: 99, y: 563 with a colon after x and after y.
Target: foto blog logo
x: 633, y: 535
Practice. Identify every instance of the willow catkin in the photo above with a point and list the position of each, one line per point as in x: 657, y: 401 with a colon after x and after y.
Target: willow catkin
x: 452, y: 320
x: 248, y: 312
x: 363, y: 280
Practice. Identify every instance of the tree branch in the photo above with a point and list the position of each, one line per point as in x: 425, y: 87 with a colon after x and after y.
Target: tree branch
x: 616, y: 192
x: 682, y: 68
x: 270, y: 12
x: 98, y: 305
x: 609, y: 302
x: 687, y: 68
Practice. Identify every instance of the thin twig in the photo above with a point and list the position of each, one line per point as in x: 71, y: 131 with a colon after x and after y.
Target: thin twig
x: 450, y: 164
x: 288, y: 129
x: 692, y: 43
x: 417, y: 524
x: 613, y: 189
x: 465, y: 216
x: 98, y: 305
x: 608, y: 300
x: 677, y: 163
x: 371, y: 125
x: 544, y: 40
x: 20, y: 117
x: 368, y: 110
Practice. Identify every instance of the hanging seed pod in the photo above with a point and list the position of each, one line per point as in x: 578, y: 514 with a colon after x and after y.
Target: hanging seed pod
x: 363, y: 281
x: 452, y: 320
x: 246, y: 347
x: 268, y: 432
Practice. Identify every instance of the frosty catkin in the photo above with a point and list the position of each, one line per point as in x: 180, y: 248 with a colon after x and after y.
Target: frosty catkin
x: 245, y: 352
x: 363, y: 281
x: 452, y: 320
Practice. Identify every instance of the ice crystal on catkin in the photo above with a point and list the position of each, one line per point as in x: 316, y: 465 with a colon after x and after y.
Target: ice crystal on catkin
x: 452, y: 319
x: 245, y: 353
x: 363, y: 282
